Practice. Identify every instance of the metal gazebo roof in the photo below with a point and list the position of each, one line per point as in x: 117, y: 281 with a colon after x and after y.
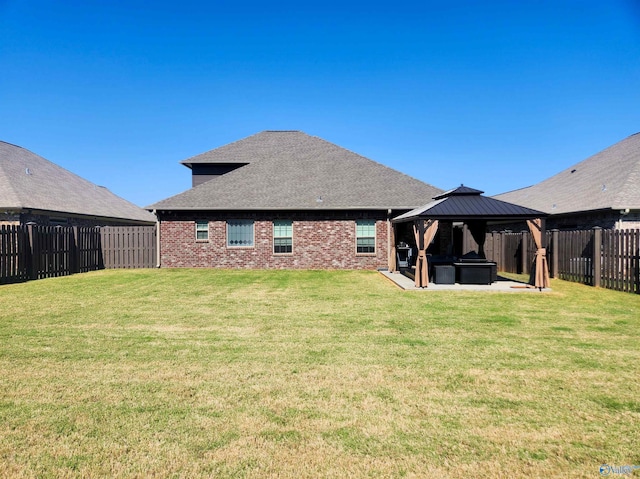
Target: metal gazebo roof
x: 464, y: 203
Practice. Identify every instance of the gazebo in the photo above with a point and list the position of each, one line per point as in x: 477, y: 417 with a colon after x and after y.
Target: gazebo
x: 469, y: 206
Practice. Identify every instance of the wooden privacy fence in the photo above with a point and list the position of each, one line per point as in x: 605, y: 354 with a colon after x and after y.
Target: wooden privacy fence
x: 36, y: 252
x: 597, y: 257
x: 574, y: 253
x: 620, y: 260
x: 15, y: 258
x: 128, y: 246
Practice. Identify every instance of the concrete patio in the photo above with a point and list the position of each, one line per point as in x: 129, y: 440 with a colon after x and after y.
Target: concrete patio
x: 502, y: 285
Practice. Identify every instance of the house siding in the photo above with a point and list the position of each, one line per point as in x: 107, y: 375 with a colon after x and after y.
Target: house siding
x: 10, y: 219
x: 319, y: 242
x: 67, y: 219
x: 607, y: 219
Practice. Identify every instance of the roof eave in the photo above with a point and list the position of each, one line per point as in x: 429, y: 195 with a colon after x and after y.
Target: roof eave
x: 281, y: 208
x: 70, y: 214
x: 470, y: 217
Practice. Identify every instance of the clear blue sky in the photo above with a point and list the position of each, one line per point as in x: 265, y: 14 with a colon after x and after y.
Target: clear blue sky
x: 496, y: 95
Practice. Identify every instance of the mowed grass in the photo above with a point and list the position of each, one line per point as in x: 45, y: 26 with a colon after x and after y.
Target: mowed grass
x: 209, y: 373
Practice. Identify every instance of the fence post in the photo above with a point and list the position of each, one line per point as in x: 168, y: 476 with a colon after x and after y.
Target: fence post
x: 597, y: 256
x: 524, y: 250
x: 502, y: 247
x: 555, y: 234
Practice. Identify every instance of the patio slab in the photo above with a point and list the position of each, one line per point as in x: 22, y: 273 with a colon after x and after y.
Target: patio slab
x: 502, y: 285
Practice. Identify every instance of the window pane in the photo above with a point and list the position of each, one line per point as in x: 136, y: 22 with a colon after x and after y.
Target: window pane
x: 366, y: 228
x: 240, y: 233
x: 366, y: 245
x: 282, y: 245
x: 282, y: 228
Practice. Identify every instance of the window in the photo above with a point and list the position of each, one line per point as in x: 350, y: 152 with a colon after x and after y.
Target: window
x: 240, y: 233
x: 202, y: 230
x: 365, y: 236
x: 282, y: 236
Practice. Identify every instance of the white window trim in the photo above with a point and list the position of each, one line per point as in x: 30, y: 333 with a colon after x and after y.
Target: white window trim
x: 375, y: 238
x: 274, y: 239
x: 201, y: 240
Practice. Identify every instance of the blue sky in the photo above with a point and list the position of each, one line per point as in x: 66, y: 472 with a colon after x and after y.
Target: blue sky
x: 496, y: 95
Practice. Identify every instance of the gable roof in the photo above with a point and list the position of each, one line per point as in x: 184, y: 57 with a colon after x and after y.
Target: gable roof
x: 607, y: 180
x: 292, y: 170
x: 464, y: 203
x: 30, y: 182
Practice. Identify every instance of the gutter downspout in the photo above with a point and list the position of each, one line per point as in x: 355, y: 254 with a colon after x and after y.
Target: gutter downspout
x: 157, y: 238
x: 389, y: 240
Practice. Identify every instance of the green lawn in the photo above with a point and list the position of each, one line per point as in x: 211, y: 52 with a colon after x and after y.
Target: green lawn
x: 209, y: 373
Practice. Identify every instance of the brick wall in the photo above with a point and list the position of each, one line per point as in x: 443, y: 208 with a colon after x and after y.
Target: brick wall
x: 319, y: 242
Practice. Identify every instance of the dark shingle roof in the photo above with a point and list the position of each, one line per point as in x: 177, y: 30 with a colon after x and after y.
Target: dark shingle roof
x: 28, y: 181
x: 464, y: 203
x: 292, y: 170
x: 609, y: 179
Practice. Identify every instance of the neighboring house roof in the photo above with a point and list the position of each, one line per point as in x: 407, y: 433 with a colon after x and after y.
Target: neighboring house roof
x: 607, y: 180
x: 292, y: 170
x: 29, y: 182
x: 464, y: 203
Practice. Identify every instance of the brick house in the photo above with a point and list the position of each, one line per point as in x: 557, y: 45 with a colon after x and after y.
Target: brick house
x: 35, y: 190
x: 603, y: 190
x: 284, y: 199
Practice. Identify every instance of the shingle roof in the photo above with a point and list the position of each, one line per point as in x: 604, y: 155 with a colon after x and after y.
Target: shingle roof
x: 292, y: 170
x: 28, y: 181
x: 464, y: 203
x: 609, y: 179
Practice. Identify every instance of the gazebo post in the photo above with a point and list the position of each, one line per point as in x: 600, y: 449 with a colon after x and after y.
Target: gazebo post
x: 541, y: 277
x: 418, y: 231
x: 424, y: 231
